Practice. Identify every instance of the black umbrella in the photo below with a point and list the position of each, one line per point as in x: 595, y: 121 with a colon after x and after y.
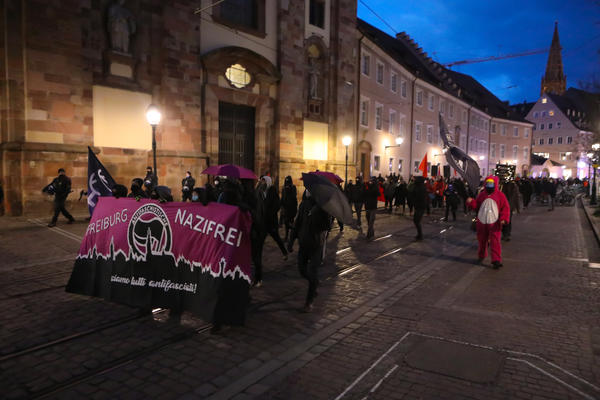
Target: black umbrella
x: 459, y: 160
x: 329, y: 197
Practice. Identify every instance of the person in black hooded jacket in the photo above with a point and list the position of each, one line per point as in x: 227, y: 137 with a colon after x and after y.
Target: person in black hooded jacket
x: 289, y: 204
x: 420, y: 202
x: 310, y: 229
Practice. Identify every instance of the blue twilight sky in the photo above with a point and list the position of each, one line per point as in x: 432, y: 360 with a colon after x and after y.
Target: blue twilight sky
x: 465, y: 29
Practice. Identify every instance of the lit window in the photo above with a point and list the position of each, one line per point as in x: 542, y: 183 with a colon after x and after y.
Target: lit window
x: 551, y: 113
x: 544, y: 100
x: 376, y: 162
x: 237, y: 76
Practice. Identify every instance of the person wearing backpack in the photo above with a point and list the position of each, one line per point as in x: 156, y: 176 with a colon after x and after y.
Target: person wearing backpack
x: 493, y: 212
x: 60, y: 188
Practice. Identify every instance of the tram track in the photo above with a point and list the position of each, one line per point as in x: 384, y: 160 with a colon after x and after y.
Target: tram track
x: 140, y: 353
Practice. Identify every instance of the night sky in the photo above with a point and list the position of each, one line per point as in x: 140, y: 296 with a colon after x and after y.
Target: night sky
x: 465, y: 29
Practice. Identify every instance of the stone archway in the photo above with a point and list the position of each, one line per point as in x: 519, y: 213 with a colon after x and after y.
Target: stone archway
x: 364, y: 159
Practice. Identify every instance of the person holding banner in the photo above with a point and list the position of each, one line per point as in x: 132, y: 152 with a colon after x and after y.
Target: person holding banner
x: 60, y: 188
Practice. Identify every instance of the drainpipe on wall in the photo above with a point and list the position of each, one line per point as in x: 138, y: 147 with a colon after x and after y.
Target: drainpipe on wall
x: 412, y: 127
x: 357, y: 111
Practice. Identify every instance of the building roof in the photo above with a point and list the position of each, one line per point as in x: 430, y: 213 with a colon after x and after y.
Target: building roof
x: 579, y: 106
x: 523, y: 108
x: 404, y: 50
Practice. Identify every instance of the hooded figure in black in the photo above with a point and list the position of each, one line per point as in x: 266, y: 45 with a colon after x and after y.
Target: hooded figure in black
x: 357, y: 197
x: 150, y: 181
x: 310, y: 229
x: 60, y: 188
x: 187, y: 186
x: 371, y: 195
x: 137, y: 190
x: 289, y: 204
x: 272, y: 206
x: 420, y: 202
x: 451, y: 201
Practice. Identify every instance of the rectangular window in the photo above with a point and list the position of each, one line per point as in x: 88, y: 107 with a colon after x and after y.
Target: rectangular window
x: 558, y: 125
x: 402, y: 125
x: 419, y: 97
x: 493, y: 150
x: 525, y: 154
x: 364, y: 112
x: 464, y: 116
x: 451, y: 110
x: 246, y: 15
x: 559, y: 140
x: 515, y: 131
x: 416, y: 167
x: 317, y: 13
x: 394, y: 82
x: 366, y: 64
x: 486, y: 126
x: 550, y: 125
x: 541, y: 142
x: 535, y: 114
x: 551, y: 113
x: 541, y: 127
x: 393, y: 129
x: 493, y: 128
x: 403, y: 88
x: 418, y: 127
x: 378, y: 116
x: 550, y: 140
x: 502, y: 150
x: 503, y: 130
x: 569, y: 139
x: 515, y: 154
x: 379, y: 73
x: 543, y: 113
x: 429, y: 133
x: 391, y: 164
x: 400, y: 162
x: 442, y: 106
x: 430, y: 102
x: 376, y: 162
x: 526, y: 133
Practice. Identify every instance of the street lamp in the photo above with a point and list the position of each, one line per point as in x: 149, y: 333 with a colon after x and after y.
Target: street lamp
x: 153, y: 117
x: 595, y: 148
x: 346, y: 140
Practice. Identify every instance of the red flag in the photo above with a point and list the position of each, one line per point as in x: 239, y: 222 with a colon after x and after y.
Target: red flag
x: 423, y: 166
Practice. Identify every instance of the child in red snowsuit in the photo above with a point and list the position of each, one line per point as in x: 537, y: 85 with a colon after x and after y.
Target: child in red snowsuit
x: 493, y: 211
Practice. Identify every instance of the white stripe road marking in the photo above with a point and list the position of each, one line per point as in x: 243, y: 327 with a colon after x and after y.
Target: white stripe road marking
x: 374, y: 388
x: 59, y: 231
x: 383, y: 237
x: 343, y: 250
x: 372, y: 366
x: 548, y: 374
x: 74, y: 235
x: 594, y: 265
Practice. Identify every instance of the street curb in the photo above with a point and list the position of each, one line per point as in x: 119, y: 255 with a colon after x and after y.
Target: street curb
x: 589, y: 218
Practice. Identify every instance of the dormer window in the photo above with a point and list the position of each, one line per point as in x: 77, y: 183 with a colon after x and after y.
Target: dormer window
x: 544, y: 100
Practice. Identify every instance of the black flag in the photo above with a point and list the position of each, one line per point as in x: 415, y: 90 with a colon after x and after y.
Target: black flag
x: 100, y: 183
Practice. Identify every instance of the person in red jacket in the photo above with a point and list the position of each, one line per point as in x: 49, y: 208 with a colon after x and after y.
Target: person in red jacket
x: 493, y: 211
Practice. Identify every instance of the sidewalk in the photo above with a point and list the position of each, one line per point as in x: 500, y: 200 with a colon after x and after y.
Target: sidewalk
x: 592, y: 219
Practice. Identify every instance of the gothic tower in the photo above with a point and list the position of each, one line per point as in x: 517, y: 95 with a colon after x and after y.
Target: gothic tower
x: 554, y: 81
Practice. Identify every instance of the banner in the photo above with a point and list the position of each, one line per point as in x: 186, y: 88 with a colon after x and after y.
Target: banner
x: 183, y: 256
x: 100, y: 183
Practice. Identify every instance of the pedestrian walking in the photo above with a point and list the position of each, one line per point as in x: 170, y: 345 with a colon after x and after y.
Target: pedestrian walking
x: 420, y: 202
x: 357, y: 198
x: 310, y: 228
x: 289, y: 204
x: 526, y: 189
x: 187, y: 186
x: 410, y: 194
x: 272, y: 204
x: 549, y: 187
x: 511, y: 192
x: 371, y: 195
x: 400, y: 195
x: 389, y: 189
x: 60, y: 187
x: 451, y: 201
x: 438, y: 193
x: 493, y: 211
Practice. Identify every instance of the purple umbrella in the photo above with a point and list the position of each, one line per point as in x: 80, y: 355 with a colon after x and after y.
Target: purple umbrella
x: 333, y: 178
x: 230, y: 170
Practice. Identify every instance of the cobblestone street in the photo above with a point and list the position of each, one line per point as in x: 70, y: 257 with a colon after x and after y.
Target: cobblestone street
x: 394, y: 318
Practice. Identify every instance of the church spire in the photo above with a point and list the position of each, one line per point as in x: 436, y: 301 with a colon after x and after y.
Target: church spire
x: 554, y: 81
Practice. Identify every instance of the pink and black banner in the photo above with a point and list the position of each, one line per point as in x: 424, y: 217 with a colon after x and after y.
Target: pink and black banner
x: 183, y: 256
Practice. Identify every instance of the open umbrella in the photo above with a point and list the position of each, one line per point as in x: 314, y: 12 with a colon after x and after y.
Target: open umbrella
x: 459, y: 160
x: 333, y: 178
x: 329, y: 197
x: 230, y: 170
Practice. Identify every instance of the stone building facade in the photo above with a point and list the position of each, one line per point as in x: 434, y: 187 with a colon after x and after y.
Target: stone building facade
x: 257, y: 90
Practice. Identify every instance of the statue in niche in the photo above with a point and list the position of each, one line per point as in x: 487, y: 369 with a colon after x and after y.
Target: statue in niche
x: 121, y: 25
x: 313, y: 78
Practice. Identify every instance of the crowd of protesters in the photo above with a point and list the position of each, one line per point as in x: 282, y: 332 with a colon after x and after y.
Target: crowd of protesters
x: 309, y: 224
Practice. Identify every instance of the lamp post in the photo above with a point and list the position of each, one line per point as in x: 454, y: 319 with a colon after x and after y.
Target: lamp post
x: 595, y: 147
x: 346, y: 140
x: 589, y: 187
x: 153, y: 117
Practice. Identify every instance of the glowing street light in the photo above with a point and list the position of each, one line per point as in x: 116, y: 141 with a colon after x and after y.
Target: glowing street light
x: 346, y: 140
x: 153, y: 116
